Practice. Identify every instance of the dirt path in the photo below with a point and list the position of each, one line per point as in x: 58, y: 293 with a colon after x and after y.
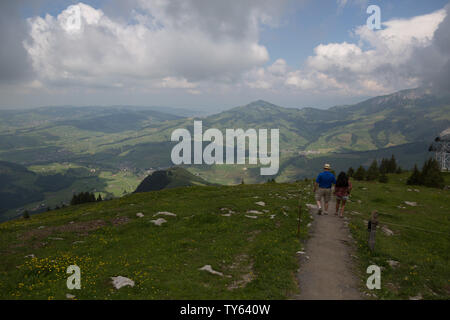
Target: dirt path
x: 326, y: 267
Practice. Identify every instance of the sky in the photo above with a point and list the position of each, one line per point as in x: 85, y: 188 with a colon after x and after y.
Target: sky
x: 217, y: 54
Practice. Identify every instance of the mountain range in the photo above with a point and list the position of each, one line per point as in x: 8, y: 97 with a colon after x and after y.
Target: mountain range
x: 120, y: 146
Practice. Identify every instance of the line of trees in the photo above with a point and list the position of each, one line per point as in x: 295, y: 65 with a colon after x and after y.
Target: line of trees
x: 84, y: 197
x: 375, y: 172
x: 430, y: 176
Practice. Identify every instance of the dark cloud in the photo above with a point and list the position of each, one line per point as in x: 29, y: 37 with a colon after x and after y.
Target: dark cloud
x: 14, y: 63
x: 441, y: 80
x: 432, y: 64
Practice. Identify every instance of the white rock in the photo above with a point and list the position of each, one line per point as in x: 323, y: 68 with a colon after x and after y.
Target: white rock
x: 311, y: 206
x: 159, y: 221
x: 393, y: 263
x: 119, y: 282
x: 387, y: 231
x: 41, y: 227
x: 165, y: 213
x: 418, y: 297
x: 300, y: 252
x: 416, y: 190
x: 226, y: 215
x: 139, y: 215
x: 209, y: 269
x: 309, y: 225
x: 412, y: 204
x: 70, y: 296
x: 272, y: 216
x: 30, y: 256
x: 251, y: 217
x: 254, y: 212
x: 260, y: 203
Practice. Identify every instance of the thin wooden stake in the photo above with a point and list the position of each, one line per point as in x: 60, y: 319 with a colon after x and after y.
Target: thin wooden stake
x: 299, y: 217
x: 372, y: 228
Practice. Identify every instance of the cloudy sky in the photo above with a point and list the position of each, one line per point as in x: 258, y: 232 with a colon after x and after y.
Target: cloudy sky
x: 215, y: 54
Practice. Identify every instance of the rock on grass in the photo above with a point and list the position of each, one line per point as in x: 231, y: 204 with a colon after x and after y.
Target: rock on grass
x: 119, y: 282
x: 254, y: 212
x: 159, y: 221
x: 209, y: 269
x: 165, y: 213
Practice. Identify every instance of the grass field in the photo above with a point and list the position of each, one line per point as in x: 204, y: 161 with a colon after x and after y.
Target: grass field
x: 421, y: 240
x: 256, y: 256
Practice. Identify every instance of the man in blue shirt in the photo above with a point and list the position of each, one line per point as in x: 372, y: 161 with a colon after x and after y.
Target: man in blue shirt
x: 322, y: 188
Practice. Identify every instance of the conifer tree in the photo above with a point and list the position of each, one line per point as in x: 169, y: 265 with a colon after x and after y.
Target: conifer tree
x: 383, y: 178
x: 384, y: 166
x: 360, y: 174
x: 415, y: 177
x: 350, y: 172
x: 373, y: 172
x: 431, y: 174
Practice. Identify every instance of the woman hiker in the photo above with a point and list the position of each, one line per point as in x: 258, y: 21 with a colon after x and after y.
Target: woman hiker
x: 342, y: 191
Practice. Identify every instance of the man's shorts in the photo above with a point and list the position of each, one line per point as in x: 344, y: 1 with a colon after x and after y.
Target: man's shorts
x: 325, y: 193
x: 342, y: 198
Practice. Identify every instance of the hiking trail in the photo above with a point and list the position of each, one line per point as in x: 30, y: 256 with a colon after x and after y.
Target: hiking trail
x: 326, y: 269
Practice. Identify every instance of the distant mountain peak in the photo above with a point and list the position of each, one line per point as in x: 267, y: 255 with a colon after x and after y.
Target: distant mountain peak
x: 261, y: 103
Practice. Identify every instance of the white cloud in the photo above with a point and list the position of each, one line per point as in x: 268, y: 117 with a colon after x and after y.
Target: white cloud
x: 176, y: 44
x: 191, y: 47
x: 380, y: 62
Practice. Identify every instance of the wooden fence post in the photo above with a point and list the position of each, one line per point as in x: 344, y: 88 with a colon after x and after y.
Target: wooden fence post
x: 299, y: 217
x: 372, y: 228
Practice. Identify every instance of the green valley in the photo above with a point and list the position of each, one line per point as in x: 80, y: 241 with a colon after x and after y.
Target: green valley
x: 123, y: 145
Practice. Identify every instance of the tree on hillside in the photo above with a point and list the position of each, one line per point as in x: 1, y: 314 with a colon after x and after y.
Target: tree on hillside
x: 392, y: 165
x: 82, y: 197
x: 383, y: 178
x: 373, y: 172
x: 415, y: 177
x: 384, y: 166
x: 399, y: 170
x: 360, y: 174
x: 431, y: 175
x: 26, y: 215
x: 350, y: 172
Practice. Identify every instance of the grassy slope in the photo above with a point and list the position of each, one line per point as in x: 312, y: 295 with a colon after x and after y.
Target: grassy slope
x: 423, y: 255
x: 163, y: 261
